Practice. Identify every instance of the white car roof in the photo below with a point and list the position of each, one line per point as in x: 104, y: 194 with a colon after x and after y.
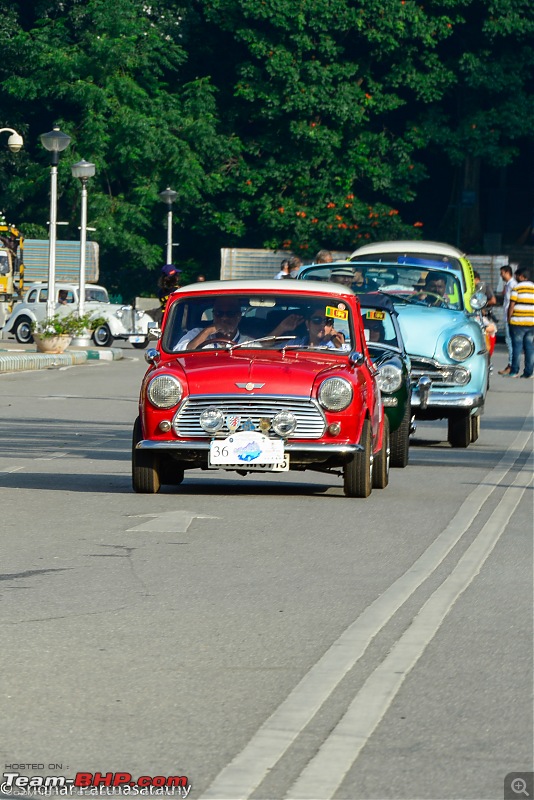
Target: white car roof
x: 62, y: 285
x: 409, y: 246
x: 289, y: 286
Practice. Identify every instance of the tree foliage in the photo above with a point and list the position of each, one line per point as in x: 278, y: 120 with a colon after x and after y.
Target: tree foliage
x: 279, y: 123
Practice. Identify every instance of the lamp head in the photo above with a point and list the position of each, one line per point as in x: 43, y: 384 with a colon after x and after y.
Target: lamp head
x: 15, y: 142
x: 168, y: 196
x: 55, y: 140
x: 83, y: 170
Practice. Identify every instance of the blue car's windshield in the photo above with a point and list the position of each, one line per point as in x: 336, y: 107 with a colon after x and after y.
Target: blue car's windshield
x: 413, y: 283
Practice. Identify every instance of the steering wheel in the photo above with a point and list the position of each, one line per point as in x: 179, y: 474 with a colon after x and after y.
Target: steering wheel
x: 438, y: 298
x: 227, y: 342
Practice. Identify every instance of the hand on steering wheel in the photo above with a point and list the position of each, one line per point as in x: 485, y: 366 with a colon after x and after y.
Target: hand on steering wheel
x: 218, y: 340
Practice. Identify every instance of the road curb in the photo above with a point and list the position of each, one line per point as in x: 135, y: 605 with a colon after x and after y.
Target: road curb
x: 18, y: 362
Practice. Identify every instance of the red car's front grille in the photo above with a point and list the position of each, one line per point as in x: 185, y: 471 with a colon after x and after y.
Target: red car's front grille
x: 311, y: 422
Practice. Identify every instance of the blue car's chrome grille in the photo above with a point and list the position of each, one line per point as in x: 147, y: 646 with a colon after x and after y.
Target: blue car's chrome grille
x: 310, y: 419
x: 442, y: 374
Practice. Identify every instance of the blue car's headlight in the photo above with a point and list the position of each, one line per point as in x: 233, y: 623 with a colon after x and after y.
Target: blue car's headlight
x: 460, y: 347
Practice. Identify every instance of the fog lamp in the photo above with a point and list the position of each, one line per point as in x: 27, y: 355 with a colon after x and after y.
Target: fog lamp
x: 284, y: 423
x: 164, y: 426
x: 211, y: 420
x: 334, y: 428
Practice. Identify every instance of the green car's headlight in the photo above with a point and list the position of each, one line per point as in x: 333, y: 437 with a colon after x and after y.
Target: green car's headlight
x: 389, y: 378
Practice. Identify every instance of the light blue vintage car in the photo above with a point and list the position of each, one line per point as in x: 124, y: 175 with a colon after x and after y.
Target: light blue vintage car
x: 446, y: 344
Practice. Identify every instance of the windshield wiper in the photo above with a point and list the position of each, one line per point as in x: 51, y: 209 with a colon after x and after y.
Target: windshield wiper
x: 262, y: 339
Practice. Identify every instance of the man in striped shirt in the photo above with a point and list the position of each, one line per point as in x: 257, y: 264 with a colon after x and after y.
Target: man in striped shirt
x: 521, y: 322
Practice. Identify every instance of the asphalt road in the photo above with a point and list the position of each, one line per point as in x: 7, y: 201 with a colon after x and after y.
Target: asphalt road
x: 264, y: 636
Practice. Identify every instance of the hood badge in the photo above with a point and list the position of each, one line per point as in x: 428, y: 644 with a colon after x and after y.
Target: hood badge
x: 248, y: 425
x: 249, y: 386
x: 233, y: 422
x: 265, y: 425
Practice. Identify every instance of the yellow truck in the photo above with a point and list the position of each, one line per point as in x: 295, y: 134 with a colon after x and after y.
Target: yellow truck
x: 11, y: 267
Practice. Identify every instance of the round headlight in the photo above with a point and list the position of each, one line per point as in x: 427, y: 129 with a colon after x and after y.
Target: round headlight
x: 211, y: 420
x: 164, y: 391
x: 389, y: 378
x: 460, y: 347
x: 335, y: 394
x: 139, y: 314
x: 284, y: 423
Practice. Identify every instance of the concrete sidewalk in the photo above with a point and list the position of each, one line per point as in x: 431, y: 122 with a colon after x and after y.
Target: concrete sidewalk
x: 15, y: 357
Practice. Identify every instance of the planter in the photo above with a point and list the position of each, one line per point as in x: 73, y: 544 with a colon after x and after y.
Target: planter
x: 51, y: 344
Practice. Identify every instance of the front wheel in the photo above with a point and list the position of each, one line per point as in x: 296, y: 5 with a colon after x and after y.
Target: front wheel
x: 102, y: 336
x: 23, y: 331
x: 357, y: 475
x: 400, y: 440
x: 145, y: 466
x: 140, y: 345
x: 381, y: 460
x: 475, y: 428
x: 459, y: 430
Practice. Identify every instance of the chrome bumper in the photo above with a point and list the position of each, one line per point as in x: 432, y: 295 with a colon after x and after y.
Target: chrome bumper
x: 289, y: 447
x: 452, y: 400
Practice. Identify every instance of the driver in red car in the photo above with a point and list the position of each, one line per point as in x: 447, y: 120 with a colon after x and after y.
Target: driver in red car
x: 225, y: 327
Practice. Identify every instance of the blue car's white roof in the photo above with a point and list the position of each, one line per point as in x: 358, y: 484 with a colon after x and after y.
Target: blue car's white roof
x: 408, y: 246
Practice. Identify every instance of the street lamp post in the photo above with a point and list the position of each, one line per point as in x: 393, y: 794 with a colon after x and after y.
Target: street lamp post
x: 168, y: 197
x: 54, y: 141
x: 15, y: 141
x: 83, y: 170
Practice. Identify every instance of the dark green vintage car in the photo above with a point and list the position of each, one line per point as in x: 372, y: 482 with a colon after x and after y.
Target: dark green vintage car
x: 387, y: 351
x: 386, y: 348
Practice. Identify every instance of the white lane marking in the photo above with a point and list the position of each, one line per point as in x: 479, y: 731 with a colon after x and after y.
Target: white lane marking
x: 11, y: 469
x: 326, y: 771
x: 239, y: 779
x: 169, y: 521
x: 51, y: 456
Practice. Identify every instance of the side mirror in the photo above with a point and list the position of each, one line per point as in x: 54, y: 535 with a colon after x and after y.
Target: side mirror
x: 478, y: 300
x: 356, y: 359
x: 153, y: 330
x: 152, y: 356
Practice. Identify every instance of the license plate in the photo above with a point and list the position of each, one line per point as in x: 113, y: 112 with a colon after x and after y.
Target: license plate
x: 249, y: 450
x: 136, y: 339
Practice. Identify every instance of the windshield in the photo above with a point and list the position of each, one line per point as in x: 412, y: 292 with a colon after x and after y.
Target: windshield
x: 4, y: 264
x: 404, y: 283
x: 379, y: 328
x: 301, y: 322
x: 96, y: 295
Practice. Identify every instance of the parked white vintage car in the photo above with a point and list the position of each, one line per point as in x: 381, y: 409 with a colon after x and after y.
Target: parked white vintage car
x: 122, y: 321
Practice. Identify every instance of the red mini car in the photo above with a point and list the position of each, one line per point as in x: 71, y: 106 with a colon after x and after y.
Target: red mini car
x: 263, y: 376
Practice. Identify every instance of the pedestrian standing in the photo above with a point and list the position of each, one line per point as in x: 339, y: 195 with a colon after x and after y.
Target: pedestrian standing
x: 169, y: 281
x: 323, y: 257
x: 295, y: 263
x: 507, y: 275
x: 521, y: 321
x: 284, y: 270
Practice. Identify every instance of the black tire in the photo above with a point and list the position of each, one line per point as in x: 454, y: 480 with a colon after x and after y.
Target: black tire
x: 140, y: 345
x: 171, y: 472
x: 23, y: 330
x: 102, y: 336
x: 400, y: 440
x: 459, y: 430
x: 381, y: 460
x: 475, y: 428
x: 145, y: 466
x: 357, y: 475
